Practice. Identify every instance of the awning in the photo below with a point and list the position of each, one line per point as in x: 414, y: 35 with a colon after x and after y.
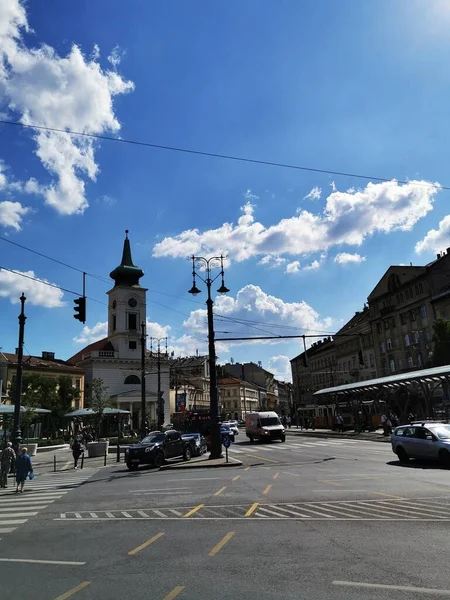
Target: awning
x: 88, y: 412
x: 8, y: 409
x: 433, y: 375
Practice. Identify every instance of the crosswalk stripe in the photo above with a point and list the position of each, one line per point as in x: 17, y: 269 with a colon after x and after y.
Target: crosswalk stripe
x: 19, y: 514
x: 7, y: 529
x: 13, y: 522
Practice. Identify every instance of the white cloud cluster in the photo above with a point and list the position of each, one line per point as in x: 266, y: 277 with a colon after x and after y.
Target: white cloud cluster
x: 12, y: 285
x: 88, y: 335
x: 72, y: 92
x: 281, y: 367
x: 436, y: 239
x: 314, y: 194
x: 344, y: 258
x: 293, y: 267
x: 12, y: 213
x: 347, y: 218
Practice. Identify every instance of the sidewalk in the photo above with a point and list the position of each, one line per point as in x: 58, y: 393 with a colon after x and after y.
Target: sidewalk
x: 373, y: 436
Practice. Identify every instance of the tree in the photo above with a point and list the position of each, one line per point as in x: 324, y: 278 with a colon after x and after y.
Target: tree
x: 441, y: 340
x: 97, y: 399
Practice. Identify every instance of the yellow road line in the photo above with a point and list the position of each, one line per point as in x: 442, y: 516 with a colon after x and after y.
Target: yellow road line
x: 174, y: 593
x: 247, y: 468
x: 221, y: 544
x: 220, y: 491
x: 193, y: 511
x: 267, y: 490
x: 263, y: 458
x: 276, y: 476
x: 235, y: 478
x: 145, y: 544
x: 73, y: 590
x: 331, y: 482
x: 388, y: 495
x: 252, y: 509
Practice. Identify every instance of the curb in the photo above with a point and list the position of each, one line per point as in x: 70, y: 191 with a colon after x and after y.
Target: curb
x: 201, y: 465
x: 342, y: 436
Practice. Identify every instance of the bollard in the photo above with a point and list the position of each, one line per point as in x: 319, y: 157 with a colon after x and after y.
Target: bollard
x: 118, y: 452
x: 106, y: 454
x: 54, y: 463
x: 82, y: 460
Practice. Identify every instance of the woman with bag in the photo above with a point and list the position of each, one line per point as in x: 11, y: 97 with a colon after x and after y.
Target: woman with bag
x: 8, y: 455
x: 23, y: 467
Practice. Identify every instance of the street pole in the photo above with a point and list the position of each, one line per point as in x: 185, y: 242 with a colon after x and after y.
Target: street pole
x: 209, y: 264
x: 143, y: 407
x: 17, y: 434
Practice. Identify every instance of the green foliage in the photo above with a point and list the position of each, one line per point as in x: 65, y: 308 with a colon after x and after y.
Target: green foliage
x: 441, y: 339
x: 97, y: 399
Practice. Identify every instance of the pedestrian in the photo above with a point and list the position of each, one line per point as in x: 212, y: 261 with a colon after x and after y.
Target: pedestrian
x: 8, y: 455
x: 313, y: 422
x: 23, y: 468
x: 384, y: 424
x: 77, y: 450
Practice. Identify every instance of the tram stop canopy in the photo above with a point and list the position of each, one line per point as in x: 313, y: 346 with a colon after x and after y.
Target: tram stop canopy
x: 424, y: 377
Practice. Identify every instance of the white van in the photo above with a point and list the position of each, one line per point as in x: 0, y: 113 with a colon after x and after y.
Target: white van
x: 264, y: 426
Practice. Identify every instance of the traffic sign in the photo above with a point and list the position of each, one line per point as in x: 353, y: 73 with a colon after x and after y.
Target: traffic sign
x: 226, y: 441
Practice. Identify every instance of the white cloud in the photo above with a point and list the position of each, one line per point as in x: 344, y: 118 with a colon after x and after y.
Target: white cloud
x: 345, y: 257
x: 71, y: 92
x: 348, y: 217
x: 436, y: 239
x: 12, y: 213
x: 314, y: 194
x: 293, y: 267
x: 313, y: 266
x: 88, y: 335
x: 281, y: 367
x: 156, y: 330
x: 12, y: 285
x: 116, y: 56
x: 272, y: 261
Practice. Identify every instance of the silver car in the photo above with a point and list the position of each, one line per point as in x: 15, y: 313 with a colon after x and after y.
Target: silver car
x: 422, y: 440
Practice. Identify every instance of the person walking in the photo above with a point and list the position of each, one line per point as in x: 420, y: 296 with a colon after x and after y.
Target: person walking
x: 23, y: 467
x: 8, y: 455
x: 77, y: 450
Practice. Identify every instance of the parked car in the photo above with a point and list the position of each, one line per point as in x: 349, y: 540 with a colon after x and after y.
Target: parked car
x: 155, y: 448
x: 199, y: 441
x: 264, y: 426
x: 233, y: 426
x: 422, y: 440
x: 225, y: 430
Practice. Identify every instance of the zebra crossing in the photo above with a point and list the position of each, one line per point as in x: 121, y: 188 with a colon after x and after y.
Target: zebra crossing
x: 244, y: 448
x: 40, y: 492
x: 402, y: 509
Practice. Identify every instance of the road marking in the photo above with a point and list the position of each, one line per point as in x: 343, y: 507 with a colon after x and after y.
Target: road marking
x: 388, y: 495
x: 235, y: 478
x: 73, y: 590
x: 220, y: 491
x: 330, y: 482
x: 145, y: 544
x: 252, y: 509
x: 158, y: 490
x: 13, y: 522
x: 18, y: 514
x: 126, y: 514
x: 267, y: 489
x: 159, y: 513
x: 403, y: 588
x: 276, y: 476
x: 263, y: 458
x: 247, y: 469
x: 193, y: 511
x: 5, y: 511
x: 221, y: 544
x: 43, y: 562
x: 196, y: 479
x: 174, y: 593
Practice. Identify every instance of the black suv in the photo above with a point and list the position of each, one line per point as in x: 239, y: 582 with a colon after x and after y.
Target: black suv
x: 156, y: 447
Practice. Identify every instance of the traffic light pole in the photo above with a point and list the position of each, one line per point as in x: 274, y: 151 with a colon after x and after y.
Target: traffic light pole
x: 17, y: 434
x: 143, y: 407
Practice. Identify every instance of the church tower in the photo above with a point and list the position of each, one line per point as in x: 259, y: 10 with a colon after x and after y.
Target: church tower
x: 126, y: 306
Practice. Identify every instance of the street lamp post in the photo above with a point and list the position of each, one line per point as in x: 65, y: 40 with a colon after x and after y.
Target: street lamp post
x: 160, y: 403
x: 17, y: 434
x: 209, y: 264
x: 143, y: 398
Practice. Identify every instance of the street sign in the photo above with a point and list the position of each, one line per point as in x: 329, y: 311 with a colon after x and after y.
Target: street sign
x: 226, y: 441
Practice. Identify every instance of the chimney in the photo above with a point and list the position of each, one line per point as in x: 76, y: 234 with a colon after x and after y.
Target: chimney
x: 448, y: 250
x: 438, y: 256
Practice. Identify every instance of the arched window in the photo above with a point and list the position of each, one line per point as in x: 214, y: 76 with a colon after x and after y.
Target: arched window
x: 132, y: 380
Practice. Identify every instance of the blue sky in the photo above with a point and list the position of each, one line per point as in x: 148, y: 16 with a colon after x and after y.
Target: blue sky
x: 359, y: 87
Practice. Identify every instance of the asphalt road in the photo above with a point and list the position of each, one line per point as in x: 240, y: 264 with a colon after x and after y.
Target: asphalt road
x: 310, y: 518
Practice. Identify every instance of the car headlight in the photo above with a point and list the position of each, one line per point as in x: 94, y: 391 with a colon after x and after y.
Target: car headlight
x: 197, y: 443
x: 149, y: 449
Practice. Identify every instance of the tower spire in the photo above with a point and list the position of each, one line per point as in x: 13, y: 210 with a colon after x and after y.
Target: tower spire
x: 126, y: 274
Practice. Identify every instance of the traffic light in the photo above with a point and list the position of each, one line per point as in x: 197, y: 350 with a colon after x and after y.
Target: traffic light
x: 80, y: 308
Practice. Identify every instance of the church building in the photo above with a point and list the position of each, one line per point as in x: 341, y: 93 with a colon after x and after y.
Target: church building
x: 116, y: 359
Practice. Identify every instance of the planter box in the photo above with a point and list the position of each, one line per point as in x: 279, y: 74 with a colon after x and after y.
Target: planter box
x: 32, y: 448
x: 96, y: 449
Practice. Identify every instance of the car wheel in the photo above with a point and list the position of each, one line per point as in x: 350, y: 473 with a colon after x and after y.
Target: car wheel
x: 444, y: 457
x: 402, y: 456
x: 132, y: 466
x: 251, y: 438
x: 283, y: 438
x: 159, y: 460
x: 187, y: 454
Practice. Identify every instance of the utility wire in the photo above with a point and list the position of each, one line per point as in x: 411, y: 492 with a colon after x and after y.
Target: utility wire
x: 58, y: 287
x: 211, y: 154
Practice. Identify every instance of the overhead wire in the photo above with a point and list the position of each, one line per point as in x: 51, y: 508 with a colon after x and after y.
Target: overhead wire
x: 210, y: 154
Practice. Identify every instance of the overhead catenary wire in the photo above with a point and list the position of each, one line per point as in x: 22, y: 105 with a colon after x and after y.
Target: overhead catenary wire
x: 192, y: 151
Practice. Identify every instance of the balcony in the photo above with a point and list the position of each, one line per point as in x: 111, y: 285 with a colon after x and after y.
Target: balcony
x: 386, y: 310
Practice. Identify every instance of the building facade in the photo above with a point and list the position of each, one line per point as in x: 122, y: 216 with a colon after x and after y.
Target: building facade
x: 116, y: 358
x: 189, y: 383
x: 263, y: 379
x: 237, y: 397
